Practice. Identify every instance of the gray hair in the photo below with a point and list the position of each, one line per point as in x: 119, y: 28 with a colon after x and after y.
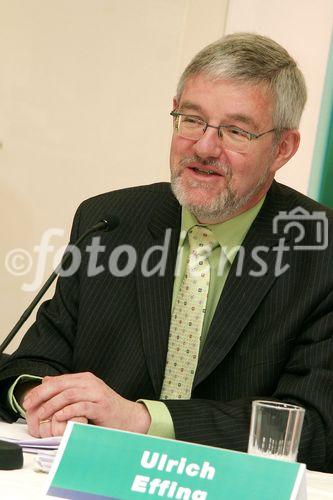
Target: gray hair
x: 252, y: 58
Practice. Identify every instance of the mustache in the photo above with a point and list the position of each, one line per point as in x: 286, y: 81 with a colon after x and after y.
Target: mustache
x: 206, y: 163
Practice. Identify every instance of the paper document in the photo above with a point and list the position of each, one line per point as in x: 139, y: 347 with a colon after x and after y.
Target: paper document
x: 17, y: 433
x: 45, y: 449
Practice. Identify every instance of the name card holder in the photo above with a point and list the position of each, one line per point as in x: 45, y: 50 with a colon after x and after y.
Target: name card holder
x: 97, y: 463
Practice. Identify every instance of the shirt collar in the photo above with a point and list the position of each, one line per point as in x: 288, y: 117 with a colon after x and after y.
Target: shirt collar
x: 230, y: 234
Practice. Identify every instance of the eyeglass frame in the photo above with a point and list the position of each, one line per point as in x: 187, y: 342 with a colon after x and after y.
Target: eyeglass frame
x: 250, y: 135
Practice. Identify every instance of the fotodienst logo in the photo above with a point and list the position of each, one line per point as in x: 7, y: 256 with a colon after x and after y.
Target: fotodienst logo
x: 309, y: 230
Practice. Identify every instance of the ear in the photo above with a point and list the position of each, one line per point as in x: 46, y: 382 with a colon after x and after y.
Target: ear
x: 286, y: 148
x: 174, y: 103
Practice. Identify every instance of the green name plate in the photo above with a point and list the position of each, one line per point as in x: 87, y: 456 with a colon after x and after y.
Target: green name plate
x: 98, y: 463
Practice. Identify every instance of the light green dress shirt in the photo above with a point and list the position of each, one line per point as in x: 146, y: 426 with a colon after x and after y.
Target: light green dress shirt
x: 230, y: 235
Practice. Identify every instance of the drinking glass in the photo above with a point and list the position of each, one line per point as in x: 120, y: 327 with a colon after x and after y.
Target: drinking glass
x: 275, y: 430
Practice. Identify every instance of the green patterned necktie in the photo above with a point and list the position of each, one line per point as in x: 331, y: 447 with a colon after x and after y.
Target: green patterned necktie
x: 188, y: 316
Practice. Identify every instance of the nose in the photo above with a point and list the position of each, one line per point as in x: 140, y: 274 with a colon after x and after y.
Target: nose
x: 209, y: 145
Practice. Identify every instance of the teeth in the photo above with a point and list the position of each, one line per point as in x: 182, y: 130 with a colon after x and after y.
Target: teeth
x: 205, y: 171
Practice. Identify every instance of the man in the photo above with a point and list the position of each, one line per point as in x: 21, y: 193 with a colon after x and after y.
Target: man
x: 178, y: 350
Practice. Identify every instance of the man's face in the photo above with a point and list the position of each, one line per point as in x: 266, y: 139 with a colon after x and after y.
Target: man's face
x: 239, y: 179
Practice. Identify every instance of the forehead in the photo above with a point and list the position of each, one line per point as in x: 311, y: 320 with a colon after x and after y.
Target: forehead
x: 228, y: 101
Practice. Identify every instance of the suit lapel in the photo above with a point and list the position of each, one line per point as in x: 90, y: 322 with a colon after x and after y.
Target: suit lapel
x: 155, y: 292
x: 243, y: 292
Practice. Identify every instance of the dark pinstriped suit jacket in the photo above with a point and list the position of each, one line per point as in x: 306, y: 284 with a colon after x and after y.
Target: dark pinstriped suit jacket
x: 271, y: 337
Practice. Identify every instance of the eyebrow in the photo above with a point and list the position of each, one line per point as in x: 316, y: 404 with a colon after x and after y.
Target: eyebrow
x: 238, y: 117
x: 229, y: 118
x: 190, y: 106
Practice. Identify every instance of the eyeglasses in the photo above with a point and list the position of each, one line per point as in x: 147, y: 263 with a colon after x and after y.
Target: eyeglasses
x: 234, y: 139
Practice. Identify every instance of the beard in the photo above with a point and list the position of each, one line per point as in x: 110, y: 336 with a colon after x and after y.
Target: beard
x: 224, y: 205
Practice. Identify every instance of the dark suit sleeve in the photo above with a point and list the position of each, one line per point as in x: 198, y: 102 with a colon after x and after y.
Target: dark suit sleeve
x: 307, y: 381
x: 46, y: 349
x: 91, y: 323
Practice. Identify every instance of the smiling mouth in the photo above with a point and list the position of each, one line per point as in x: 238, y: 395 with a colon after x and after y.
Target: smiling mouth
x: 204, y: 171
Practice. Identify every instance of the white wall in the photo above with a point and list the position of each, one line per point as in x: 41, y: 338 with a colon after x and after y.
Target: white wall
x: 304, y: 28
x: 86, y: 88
x: 85, y: 91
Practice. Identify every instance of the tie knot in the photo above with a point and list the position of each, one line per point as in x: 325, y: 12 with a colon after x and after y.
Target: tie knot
x: 201, y: 239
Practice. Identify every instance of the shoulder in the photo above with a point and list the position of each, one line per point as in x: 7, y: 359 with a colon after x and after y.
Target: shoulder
x: 305, y: 221
x: 127, y: 204
x: 292, y: 197
x: 289, y: 199
x: 143, y: 195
